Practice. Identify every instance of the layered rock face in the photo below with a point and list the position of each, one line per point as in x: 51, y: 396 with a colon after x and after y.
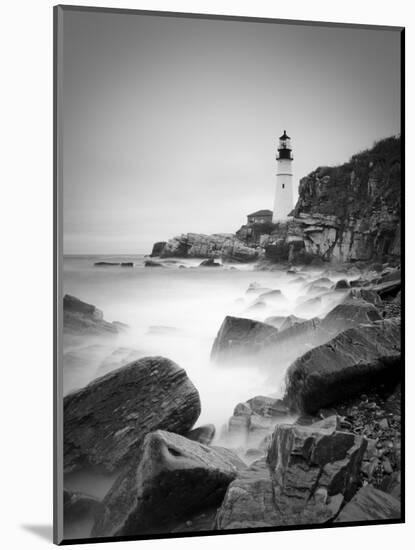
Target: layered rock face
x: 195, y: 245
x: 309, y: 472
x: 347, y: 364
x: 106, y: 422
x: 174, y: 478
x: 81, y: 319
x: 346, y: 213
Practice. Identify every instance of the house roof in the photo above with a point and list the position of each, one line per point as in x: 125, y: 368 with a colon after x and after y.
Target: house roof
x: 261, y: 213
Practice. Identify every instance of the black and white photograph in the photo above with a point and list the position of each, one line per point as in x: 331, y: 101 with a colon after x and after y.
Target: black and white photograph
x: 229, y: 229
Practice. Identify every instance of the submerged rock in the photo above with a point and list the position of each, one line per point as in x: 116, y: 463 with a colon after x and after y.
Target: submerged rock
x: 174, y: 478
x: 106, y: 422
x: 152, y: 263
x: 79, y: 513
x: 370, y: 504
x: 345, y: 366
x: 209, y: 263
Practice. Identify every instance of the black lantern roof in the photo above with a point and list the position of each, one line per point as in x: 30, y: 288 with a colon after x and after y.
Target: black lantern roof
x: 284, y: 136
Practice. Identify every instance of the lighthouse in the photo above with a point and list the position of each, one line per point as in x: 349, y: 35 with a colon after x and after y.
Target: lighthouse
x: 283, y: 203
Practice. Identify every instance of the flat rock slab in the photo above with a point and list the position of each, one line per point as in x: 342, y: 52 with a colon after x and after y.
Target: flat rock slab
x: 346, y: 365
x: 173, y: 480
x: 106, y: 422
x: 370, y: 504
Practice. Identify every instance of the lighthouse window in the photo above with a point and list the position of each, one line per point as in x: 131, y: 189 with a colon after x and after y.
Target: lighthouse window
x: 283, y: 185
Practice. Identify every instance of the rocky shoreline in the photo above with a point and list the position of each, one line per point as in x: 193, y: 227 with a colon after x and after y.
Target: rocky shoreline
x: 328, y: 451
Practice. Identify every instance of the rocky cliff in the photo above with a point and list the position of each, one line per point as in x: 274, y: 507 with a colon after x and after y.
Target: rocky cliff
x: 346, y: 213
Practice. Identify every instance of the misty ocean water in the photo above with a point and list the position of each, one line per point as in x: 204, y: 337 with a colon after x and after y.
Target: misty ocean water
x: 176, y: 313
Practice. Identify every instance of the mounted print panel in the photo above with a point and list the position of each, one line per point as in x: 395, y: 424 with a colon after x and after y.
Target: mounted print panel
x: 228, y: 276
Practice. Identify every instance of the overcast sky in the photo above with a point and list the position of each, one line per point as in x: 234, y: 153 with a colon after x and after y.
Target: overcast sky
x: 170, y: 125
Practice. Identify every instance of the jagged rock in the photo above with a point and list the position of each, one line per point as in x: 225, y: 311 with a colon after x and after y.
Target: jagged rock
x: 345, y: 366
x: 82, y: 319
x: 174, y: 478
x: 365, y: 294
x: 313, y: 469
x: 370, y: 504
x: 127, y: 264
x: 106, y: 264
x: 308, y: 472
x: 106, y: 422
x: 79, y: 513
x: 388, y: 289
x: 203, y: 434
x: 209, y: 263
x: 248, y: 502
x: 275, y: 320
x: 196, y: 245
x: 253, y: 420
x: 350, y: 313
x: 158, y: 248
x: 240, y: 337
x: 352, y: 211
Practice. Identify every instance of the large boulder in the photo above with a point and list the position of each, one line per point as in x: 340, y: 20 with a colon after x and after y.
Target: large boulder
x: 370, y: 504
x: 106, y: 422
x: 239, y: 337
x: 345, y: 366
x: 313, y: 469
x: 174, y: 478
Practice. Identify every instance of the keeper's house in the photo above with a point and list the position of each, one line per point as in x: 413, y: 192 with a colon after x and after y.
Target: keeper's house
x: 261, y: 216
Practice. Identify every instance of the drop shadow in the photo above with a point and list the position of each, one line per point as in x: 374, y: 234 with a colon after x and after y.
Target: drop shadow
x: 44, y: 532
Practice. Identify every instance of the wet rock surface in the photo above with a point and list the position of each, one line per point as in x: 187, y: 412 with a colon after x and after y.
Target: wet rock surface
x: 370, y: 504
x: 174, y: 478
x: 347, y: 365
x: 106, y: 422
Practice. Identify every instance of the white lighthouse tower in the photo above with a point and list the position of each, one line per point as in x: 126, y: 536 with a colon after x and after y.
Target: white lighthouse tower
x: 283, y: 203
